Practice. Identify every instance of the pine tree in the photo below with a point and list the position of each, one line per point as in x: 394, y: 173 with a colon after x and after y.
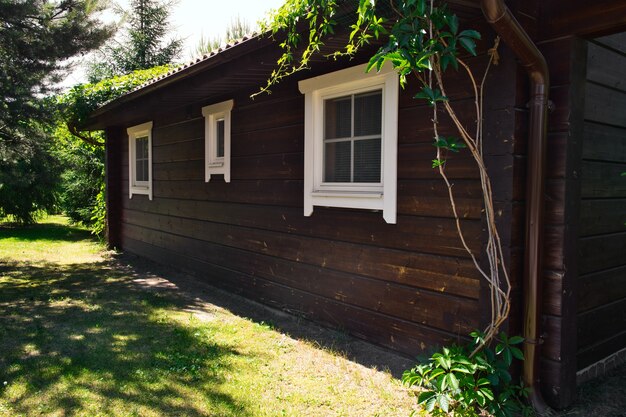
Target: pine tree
x: 237, y: 29
x: 36, y: 39
x: 145, y: 43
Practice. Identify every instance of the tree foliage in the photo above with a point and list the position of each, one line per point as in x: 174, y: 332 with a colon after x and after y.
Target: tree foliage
x: 37, y: 38
x: 237, y: 29
x: 145, y: 43
x: 82, y: 181
x: 29, y: 174
x: 83, y: 173
x: 81, y: 100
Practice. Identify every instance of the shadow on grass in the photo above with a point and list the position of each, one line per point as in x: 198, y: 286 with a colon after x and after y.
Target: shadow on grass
x: 45, y: 232
x: 75, y: 334
x: 296, y: 327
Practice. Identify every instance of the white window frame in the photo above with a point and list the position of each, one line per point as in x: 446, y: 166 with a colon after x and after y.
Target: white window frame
x: 134, y: 186
x: 213, y: 164
x: 377, y: 196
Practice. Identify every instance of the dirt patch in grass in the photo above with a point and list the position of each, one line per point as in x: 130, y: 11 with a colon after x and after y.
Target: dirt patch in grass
x: 124, y: 337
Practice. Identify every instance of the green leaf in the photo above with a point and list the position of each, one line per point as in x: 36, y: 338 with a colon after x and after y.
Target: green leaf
x: 494, y: 379
x: 442, y: 383
x: 444, y: 362
x: 444, y: 402
x: 462, y: 369
x: 425, y: 93
x: 468, y: 44
x: 421, y: 7
x: 438, y: 162
x: 436, y: 372
x: 482, y: 381
x: 517, y: 353
x: 516, y: 340
x: 453, y: 381
x: 453, y: 22
x: 508, y: 357
x: 469, y: 33
x: 487, y: 393
x: 372, y: 62
x: 428, y: 399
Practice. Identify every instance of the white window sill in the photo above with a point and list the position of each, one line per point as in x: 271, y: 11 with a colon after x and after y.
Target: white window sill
x: 347, y: 194
x: 140, y: 190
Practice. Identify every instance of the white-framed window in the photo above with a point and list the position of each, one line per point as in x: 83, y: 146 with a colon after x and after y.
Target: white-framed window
x: 140, y: 160
x: 217, y: 139
x: 351, y: 140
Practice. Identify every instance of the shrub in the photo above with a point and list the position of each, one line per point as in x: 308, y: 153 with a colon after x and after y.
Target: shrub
x: 463, y: 381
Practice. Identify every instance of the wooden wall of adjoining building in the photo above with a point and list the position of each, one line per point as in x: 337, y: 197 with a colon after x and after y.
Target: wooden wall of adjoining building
x: 601, y: 301
x: 409, y: 286
x: 558, y: 364
x: 558, y: 28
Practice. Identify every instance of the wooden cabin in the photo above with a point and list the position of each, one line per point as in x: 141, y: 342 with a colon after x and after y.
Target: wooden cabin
x: 353, y: 228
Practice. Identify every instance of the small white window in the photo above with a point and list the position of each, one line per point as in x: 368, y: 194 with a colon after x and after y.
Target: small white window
x: 140, y: 160
x: 350, y: 140
x: 217, y: 139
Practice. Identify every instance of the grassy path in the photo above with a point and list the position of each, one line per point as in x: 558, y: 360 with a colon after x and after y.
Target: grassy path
x: 82, y: 335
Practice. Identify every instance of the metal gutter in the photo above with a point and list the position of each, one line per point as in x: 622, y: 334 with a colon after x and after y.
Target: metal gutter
x: 512, y: 33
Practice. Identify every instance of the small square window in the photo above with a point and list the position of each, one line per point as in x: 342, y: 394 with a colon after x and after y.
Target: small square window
x: 140, y: 160
x: 350, y: 151
x: 217, y: 139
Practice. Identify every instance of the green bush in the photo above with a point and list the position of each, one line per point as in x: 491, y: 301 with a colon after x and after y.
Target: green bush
x: 82, y: 177
x: 29, y: 175
x: 455, y: 382
x: 98, y: 214
x: 82, y: 181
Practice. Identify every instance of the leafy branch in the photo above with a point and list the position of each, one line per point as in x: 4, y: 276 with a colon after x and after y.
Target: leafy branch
x: 80, y: 101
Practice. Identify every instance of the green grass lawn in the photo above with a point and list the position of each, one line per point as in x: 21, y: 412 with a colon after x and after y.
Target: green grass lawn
x: 80, y: 335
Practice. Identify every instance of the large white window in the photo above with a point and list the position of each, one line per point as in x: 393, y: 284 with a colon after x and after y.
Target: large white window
x: 351, y: 136
x: 140, y: 160
x: 217, y: 139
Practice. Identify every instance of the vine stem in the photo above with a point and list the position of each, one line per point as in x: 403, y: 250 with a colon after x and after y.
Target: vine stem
x: 499, y: 287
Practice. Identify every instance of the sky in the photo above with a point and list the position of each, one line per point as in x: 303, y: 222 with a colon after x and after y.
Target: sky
x: 191, y: 19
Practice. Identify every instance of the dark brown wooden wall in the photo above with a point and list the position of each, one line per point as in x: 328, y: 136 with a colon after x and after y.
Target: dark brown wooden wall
x: 602, y: 234
x: 409, y: 286
x: 565, y: 57
x: 578, y: 246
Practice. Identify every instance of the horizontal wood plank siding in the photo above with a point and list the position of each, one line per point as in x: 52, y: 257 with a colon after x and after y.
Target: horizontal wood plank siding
x: 602, y: 234
x: 409, y: 286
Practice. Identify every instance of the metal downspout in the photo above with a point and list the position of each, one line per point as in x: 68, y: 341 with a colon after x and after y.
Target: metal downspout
x: 512, y: 33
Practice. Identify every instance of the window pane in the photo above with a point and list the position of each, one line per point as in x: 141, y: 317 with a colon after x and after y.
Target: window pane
x: 142, y: 147
x: 141, y: 170
x: 368, y: 113
x: 367, y: 160
x: 145, y: 170
x: 337, y: 162
x: 220, y: 138
x: 141, y: 159
x: 338, y: 118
